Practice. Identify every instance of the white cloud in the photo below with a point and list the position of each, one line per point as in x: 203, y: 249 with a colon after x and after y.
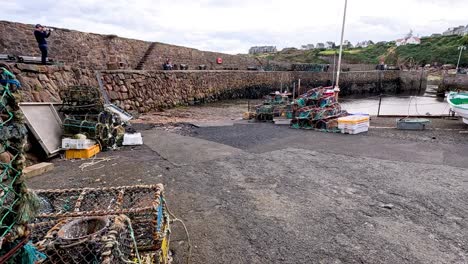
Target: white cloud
x: 235, y: 25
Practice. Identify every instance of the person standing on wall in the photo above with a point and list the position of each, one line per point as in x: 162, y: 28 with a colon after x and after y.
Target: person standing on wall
x: 41, y: 33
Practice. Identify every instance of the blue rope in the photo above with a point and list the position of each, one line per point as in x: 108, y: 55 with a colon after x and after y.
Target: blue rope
x: 15, y: 82
x: 160, y: 215
x: 32, y: 255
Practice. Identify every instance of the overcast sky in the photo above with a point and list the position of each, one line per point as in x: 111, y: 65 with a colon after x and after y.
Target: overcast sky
x: 232, y: 26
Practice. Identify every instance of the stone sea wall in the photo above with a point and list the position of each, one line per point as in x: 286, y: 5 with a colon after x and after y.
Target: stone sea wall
x: 145, y: 91
x: 454, y: 82
x: 356, y: 83
x: 44, y: 83
x: 96, y: 51
x: 151, y: 90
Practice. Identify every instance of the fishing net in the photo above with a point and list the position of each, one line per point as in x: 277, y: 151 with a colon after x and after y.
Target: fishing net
x: 102, y: 225
x: 17, y: 204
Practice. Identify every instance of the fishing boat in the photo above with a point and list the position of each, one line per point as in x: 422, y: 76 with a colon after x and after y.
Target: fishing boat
x: 459, y: 103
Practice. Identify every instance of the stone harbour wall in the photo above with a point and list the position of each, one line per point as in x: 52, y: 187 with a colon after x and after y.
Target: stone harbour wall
x: 96, y: 51
x: 356, y: 83
x: 44, y: 83
x: 74, y: 48
x: 414, y: 80
x: 454, y: 82
x: 145, y: 91
x: 151, y: 90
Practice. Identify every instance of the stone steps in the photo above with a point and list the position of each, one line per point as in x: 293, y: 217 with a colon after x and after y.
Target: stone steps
x: 145, y: 57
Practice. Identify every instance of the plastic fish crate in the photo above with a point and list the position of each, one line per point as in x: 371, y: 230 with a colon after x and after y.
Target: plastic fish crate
x: 353, y: 119
x: 132, y: 139
x: 82, y: 153
x: 412, y: 123
x: 353, y: 126
x: 70, y: 143
x: 354, y: 131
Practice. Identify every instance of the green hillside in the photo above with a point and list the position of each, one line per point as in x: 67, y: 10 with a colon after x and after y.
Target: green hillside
x: 297, y: 56
x: 442, y: 50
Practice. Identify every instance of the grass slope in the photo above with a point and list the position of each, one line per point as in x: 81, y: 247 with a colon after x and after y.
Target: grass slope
x: 442, y: 50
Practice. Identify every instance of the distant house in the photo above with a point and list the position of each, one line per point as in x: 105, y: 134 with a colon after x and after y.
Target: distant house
x: 329, y: 45
x: 364, y: 44
x: 308, y: 47
x: 347, y: 44
x: 448, y: 32
x: 459, y: 30
x: 413, y: 40
x: 320, y: 45
x: 400, y: 42
x: 409, y: 40
x: 454, y: 31
x: 262, y: 49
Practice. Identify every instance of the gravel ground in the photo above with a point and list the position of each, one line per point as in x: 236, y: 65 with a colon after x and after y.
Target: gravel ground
x: 259, y: 193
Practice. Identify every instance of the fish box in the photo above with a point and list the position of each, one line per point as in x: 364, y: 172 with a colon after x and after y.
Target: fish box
x: 412, y: 123
x: 70, y: 143
x: 132, y: 139
x: 82, y: 153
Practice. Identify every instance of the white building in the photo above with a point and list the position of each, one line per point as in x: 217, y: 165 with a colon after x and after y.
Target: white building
x: 408, y: 40
x: 262, y: 49
x: 364, y: 44
x: 330, y: 45
x: 460, y: 30
x: 400, y: 42
x: 413, y: 40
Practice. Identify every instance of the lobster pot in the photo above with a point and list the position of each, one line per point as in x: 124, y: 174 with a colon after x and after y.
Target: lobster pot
x: 93, y: 130
x: 95, y: 239
x: 147, y: 226
x: 73, y: 126
x: 16, y: 203
x: 81, y: 100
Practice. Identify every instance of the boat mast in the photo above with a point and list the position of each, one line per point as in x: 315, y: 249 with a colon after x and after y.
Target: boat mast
x: 337, y: 85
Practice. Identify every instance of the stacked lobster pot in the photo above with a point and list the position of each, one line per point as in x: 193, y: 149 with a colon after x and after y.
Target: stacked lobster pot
x: 274, y: 106
x: 17, y: 204
x: 317, y: 109
x: 85, y: 114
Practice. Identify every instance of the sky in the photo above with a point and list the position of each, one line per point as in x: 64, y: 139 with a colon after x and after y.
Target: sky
x: 232, y: 26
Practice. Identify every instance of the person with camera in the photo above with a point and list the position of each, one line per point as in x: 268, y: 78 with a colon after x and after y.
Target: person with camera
x: 41, y: 33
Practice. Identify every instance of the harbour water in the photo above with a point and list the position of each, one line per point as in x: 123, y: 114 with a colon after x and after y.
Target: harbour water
x: 424, y: 104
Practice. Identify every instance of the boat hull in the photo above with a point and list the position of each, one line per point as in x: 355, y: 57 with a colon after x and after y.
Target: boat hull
x: 460, y: 110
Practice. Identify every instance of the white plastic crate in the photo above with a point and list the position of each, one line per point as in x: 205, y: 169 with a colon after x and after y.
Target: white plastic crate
x: 132, y: 139
x: 354, y: 126
x: 355, y: 131
x: 70, y: 143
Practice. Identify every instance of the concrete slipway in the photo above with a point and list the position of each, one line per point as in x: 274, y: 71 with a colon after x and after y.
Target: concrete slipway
x: 258, y: 193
